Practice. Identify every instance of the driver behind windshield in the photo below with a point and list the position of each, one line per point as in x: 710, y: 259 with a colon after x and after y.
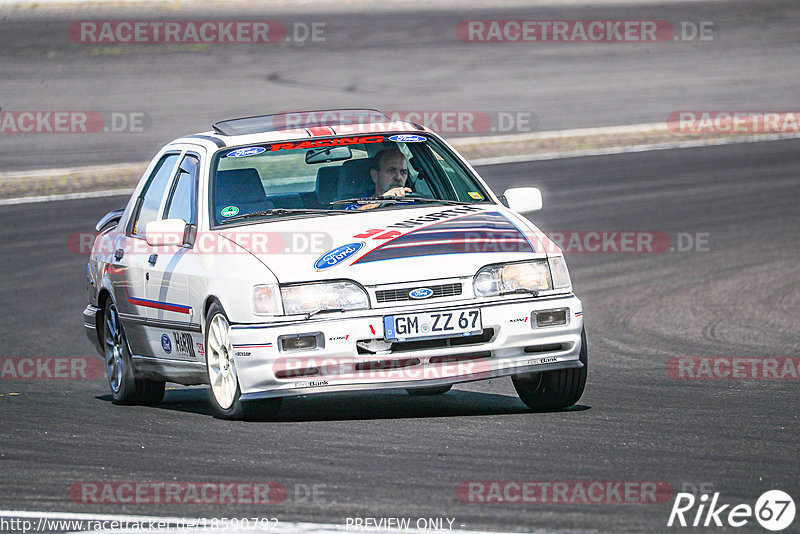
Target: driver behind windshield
x: 389, y: 172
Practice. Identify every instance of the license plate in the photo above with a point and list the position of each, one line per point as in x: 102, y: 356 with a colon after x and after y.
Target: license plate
x: 432, y: 324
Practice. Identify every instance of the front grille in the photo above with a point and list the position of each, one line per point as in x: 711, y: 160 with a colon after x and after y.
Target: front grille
x: 396, y: 295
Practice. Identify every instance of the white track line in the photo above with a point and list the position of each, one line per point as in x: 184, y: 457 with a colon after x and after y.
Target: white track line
x: 499, y: 160
x: 65, y: 196
x: 649, y: 127
x: 42, y: 522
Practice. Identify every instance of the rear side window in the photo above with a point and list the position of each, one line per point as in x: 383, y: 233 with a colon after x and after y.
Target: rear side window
x: 153, y: 194
x: 181, y: 204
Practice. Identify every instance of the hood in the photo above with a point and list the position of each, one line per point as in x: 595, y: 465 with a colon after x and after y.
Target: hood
x: 392, y: 245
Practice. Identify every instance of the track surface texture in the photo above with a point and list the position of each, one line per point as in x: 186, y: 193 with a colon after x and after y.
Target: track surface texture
x: 389, y: 454
x: 381, y: 455
x: 402, y: 56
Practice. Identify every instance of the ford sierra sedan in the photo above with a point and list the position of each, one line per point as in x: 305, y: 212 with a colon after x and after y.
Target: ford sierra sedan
x: 329, y: 251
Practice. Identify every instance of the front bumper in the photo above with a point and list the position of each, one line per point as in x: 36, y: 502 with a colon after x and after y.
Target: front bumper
x: 343, y: 360
x: 90, y: 327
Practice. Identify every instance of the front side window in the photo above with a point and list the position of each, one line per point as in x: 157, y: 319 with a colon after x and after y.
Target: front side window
x: 181, y: 203
x: 334, y: 174
x: 153, y: 193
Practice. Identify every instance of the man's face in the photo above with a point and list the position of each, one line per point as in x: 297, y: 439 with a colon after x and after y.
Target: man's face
x: 393, y: 173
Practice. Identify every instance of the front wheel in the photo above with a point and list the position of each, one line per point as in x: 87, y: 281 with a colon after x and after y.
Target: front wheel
x: 553, y: 390
x: 225, y: 393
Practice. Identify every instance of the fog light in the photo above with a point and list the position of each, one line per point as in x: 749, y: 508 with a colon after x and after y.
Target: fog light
x: 305, y: 342
x: 551, y: 317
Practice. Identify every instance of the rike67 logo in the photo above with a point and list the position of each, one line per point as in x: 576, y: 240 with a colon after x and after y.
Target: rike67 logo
x: 774, y: 510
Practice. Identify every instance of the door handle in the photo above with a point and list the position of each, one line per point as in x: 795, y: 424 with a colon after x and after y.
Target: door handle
x: 118, y: 254
x: 152, y: 259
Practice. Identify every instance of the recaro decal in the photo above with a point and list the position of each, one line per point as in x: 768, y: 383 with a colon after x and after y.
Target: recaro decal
x: 485, y: 232
x: 416, y: 221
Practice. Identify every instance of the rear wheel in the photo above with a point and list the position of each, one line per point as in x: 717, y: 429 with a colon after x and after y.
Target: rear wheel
x: 225, y: 393
x: 435, y: 390
x: 151, y: 392
x: 553, y: 390
x: 125, y: 389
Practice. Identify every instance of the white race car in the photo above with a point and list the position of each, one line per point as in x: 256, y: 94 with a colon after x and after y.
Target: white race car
x: 330, y: 251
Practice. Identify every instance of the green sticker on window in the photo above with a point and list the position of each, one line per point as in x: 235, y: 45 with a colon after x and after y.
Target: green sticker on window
x: 230, y: 211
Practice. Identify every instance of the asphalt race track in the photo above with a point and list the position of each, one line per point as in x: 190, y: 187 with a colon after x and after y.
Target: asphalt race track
x: 391, y: 455
x: 396, y: 56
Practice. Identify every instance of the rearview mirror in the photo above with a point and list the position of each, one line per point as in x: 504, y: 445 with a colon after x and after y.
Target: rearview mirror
x: 523, y: 199
x: 165, y: 232
x: 328, y: 154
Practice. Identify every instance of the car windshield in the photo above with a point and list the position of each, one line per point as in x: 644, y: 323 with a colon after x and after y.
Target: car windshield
x: 337, y: 174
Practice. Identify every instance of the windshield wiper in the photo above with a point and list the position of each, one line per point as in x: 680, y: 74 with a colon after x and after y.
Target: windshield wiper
x: 368, y: 200
x: 277, y: 211
x: 426, y: 199
x: 396, y: 200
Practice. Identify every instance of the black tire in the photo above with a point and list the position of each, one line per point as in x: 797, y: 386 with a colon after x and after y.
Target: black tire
x: 227, y: 403
x: 553, y: 390
x: 434, y: 390
x: 119, y: 369
x: 125, y: 388
x: 151, y: 392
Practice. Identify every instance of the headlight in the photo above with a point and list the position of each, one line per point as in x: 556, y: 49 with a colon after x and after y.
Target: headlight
x: 558, y: 266
x: 512, y: 278
x: 317, y: 297
x: 266, y: 300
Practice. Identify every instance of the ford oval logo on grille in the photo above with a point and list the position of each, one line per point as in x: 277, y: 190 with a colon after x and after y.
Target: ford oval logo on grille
x: 420, y: 293
x: 337, y: 255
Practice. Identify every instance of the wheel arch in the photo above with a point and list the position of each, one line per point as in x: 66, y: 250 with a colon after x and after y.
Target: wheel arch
x: 102, y: 298
x: 210, y: 299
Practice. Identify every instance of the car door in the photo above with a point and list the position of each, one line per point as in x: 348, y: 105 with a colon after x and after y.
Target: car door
x: 127, y: 272
x: 174, y: 321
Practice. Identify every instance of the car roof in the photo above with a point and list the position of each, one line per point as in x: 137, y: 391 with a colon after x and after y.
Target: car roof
x: 300, y: 125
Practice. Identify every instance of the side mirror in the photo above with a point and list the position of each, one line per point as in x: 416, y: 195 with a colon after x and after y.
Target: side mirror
x: 523, y: 199
x: 165, y: 232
